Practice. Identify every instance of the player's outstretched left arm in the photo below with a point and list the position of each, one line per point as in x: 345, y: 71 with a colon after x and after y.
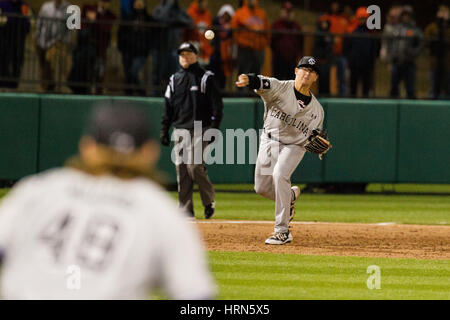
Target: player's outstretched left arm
x: 262, y: 84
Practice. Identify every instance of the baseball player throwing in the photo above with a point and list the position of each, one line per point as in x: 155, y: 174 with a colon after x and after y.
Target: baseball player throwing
x: 293, y: 120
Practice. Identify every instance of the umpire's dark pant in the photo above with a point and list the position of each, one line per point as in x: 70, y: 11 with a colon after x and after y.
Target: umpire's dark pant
x: 190, y: 168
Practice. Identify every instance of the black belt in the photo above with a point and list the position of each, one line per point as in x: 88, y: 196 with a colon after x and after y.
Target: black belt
x: 274, y: 139
x: 270, y: 136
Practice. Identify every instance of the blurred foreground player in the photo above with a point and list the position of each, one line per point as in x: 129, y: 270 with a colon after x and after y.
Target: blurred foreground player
x: 100, y: 228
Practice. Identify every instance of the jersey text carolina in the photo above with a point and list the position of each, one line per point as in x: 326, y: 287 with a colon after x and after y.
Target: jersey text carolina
x: 285, y: 118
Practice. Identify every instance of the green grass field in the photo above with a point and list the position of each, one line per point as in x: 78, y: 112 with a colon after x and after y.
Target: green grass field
x: 3, y: 192
x: 408, y: 209
x: 250, y: 275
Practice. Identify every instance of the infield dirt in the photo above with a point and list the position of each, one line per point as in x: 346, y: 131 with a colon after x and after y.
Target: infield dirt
x: 335, y: 239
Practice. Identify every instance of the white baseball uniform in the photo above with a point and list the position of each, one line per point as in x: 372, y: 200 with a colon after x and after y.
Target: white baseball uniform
x: 288, y: 123
x: 70, y: 235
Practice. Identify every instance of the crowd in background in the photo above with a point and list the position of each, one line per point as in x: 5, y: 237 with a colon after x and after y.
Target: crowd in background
x: 342, y: 42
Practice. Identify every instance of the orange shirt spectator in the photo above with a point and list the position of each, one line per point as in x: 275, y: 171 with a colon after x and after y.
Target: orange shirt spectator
x: 254, y: 19
x: 338, y: 24
x: 361, y: 12
x: 202, y: 20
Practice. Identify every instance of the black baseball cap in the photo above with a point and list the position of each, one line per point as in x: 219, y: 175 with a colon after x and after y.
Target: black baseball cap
x: 124, y: 128
x: 309, y: 62
x: 187, y: 46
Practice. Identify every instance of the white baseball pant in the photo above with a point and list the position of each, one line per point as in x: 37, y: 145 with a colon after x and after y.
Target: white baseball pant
x: 275, y: 164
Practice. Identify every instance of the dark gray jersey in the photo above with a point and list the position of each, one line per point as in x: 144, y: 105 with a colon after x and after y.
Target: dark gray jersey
x: 286, y: 118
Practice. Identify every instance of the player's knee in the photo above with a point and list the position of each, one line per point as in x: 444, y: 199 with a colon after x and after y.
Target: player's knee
x: 196, y: 169
x: 279, y: 175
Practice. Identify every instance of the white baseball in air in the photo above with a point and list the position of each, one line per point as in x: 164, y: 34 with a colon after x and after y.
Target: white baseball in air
x: 209, y: 34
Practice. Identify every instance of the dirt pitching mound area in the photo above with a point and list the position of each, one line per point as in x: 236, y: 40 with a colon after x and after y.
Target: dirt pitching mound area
x: 335, y: 239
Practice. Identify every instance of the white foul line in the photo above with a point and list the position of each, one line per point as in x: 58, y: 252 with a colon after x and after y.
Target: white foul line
x: 293, y: 222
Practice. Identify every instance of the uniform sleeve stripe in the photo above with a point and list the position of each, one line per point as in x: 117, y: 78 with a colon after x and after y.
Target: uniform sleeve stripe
x: 204, y: 79
x: 167, y: 94
x: 171, y: 84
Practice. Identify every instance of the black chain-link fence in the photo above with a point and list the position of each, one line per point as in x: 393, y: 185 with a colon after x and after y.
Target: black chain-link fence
x: 137, y: 58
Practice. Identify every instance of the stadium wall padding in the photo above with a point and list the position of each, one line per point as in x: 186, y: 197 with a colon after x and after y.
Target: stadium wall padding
x: 62, y: 122
x: 364, y: 139
x: 423, y: 151
x: 19, y: 135
x: 373, y: 140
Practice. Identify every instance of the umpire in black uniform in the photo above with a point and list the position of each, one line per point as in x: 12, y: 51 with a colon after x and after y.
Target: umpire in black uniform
x: 192, y: 95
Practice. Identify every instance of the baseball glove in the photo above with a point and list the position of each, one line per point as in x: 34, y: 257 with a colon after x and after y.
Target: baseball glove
x: 318, y: 143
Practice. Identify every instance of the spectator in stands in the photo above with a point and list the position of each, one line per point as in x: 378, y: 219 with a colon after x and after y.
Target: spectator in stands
x: 165, y: 59
x: 84, y: 55
x: 286, y: 43
x: 223, y: 56
x: 126, y: 8
x: 392, y: 19
x: 361, y: 52
x: 353, y: 22
x: 348, y: 13
x: 198, y: 10
x: 102, y: 34
x: 323, y: 52
x: 135, y: 40
x: 14, y: 27
x: 253, y: 39
x: 52, y: 38
x: 403, y: 47
x: 89, y: 56
x: 338, y: 25
x: 439, y: 33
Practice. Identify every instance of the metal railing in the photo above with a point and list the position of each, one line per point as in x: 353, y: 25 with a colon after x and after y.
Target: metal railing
x: 137, y: 58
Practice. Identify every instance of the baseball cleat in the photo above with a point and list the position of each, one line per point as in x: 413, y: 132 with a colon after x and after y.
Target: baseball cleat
x: 210, y: 210
x: 295, y: 192
x: 279, y: 238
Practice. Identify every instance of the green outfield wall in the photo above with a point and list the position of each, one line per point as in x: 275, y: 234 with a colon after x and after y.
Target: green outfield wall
x: 373, y: 140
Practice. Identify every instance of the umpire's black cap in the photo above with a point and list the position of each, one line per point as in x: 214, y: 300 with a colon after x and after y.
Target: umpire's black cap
x: 124, y: 128
x: 187, y: 46
x: 309, y: 62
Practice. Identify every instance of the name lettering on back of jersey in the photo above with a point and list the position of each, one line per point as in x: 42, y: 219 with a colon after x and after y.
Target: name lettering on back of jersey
x: 290, y: 120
